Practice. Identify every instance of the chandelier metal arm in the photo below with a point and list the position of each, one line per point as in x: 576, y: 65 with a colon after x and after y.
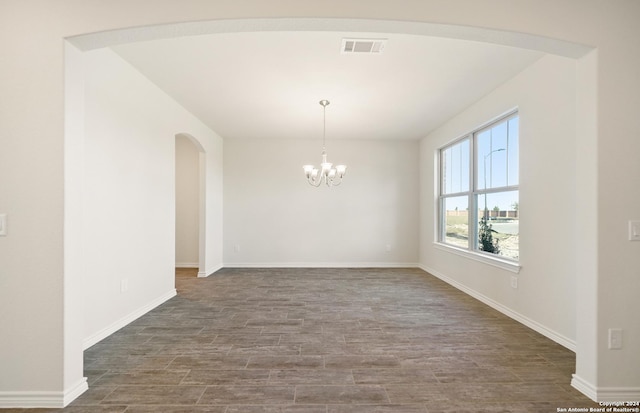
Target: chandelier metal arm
x: 334, y: 182
x: 319, y: 179
x: 315, y: 181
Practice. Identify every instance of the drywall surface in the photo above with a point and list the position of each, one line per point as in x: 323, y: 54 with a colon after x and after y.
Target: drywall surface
x: 129, y: 191
x: 274, y: 217
x: 187, y: 203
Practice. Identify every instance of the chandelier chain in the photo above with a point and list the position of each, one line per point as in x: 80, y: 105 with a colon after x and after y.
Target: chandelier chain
x: 324, y: 126
x: 324, y: 104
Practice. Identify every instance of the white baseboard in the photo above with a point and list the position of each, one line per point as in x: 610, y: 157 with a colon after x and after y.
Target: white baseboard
x: 117, y: 325
x: 43, y: 399
x: 605, y: 394
x: 209, y: 271
x: 534, y: 325
x: 321, y: 265
x: 584, y: 387
x: 187, y: 265
x: 617, y: 394
x: 76, y: 390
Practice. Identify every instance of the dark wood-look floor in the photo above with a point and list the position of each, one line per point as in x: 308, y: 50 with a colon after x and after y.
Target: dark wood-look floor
x: 325, y: 341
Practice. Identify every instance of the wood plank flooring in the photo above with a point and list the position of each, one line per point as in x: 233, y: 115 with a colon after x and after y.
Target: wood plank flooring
x: 325, y: 341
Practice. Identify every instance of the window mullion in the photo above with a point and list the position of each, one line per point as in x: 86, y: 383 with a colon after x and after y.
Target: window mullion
x: 473, y: 207
x: 497, y: 189
x: 507, y: 155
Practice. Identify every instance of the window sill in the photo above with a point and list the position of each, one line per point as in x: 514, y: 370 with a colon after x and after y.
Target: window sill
x: 475, y: 256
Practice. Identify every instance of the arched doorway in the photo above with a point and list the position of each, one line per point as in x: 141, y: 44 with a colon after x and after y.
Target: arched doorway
x: 190, y: 198
x: 201, y: 246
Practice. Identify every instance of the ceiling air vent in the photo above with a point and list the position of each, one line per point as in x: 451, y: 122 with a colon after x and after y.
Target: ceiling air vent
x: 369, y: 46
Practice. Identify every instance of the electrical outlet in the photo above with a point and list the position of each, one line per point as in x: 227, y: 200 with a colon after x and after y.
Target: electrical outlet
x: 615, y: 338
x: 388, y: 248
x: 634, y: 230
x: 3, y: 225
x: 236, y: 248
x: 514, y: 281
x: 124, y: 285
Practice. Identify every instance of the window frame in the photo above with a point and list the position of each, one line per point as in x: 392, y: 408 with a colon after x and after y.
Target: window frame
x: 473, y: 194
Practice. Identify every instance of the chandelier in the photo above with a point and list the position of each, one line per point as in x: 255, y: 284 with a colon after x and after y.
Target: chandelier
x: 327, y: 173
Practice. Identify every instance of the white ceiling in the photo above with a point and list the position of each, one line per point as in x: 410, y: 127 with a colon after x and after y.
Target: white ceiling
x: 266, y: 85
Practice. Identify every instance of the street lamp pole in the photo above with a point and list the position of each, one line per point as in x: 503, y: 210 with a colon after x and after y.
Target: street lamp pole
x: 485, y: 180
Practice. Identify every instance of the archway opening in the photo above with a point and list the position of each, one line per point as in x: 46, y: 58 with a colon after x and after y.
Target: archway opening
x: 408, y: 27
x: 190, y: 196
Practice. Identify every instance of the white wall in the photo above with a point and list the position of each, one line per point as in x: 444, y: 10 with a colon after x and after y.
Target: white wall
x: 618, y: 260
x: 129, y: 192
x: 187, y: 202
x: 275, y: 218
x: 74, y: 381
x: 545, y: 296
x: 211, y: 172
x: 31, y: 194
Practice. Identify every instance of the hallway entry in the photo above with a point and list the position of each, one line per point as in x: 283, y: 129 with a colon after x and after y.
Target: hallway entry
x: 189, y: 190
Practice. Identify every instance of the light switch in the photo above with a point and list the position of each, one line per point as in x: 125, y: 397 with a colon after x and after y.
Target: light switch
x: 634, y: 230
x: 3, y: 225
x: 615, y: 338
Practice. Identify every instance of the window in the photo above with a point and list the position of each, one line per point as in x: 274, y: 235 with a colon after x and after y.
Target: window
x: 478, y: 199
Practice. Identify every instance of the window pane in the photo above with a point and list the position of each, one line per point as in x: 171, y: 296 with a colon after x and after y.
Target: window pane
x: 497, y: 155
x: 497, y: 159
x: 483, y: 148
x: 513, y: 142
x: 455, y: 168
x: 498, y: 226
x: 456, y: 221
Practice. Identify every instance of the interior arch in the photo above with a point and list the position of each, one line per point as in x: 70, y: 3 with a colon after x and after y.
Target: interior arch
x: 202, y: 201
x: 110, y: 38
x: 515, y: 39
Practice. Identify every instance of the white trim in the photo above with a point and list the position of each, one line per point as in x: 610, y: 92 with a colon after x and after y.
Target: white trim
x: 477, y: 256
x: 532, y: 324
x: 76, y: 390
x: 584, y: 387
x: 117, y: 325
x: 617, y: 394
x: 605, y: 394
x: 108, y: 38
x: 209, y: 272
x: 187, y: 265
x: 32, y: 399
x: 322, y: 265
x: 43, y: 399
